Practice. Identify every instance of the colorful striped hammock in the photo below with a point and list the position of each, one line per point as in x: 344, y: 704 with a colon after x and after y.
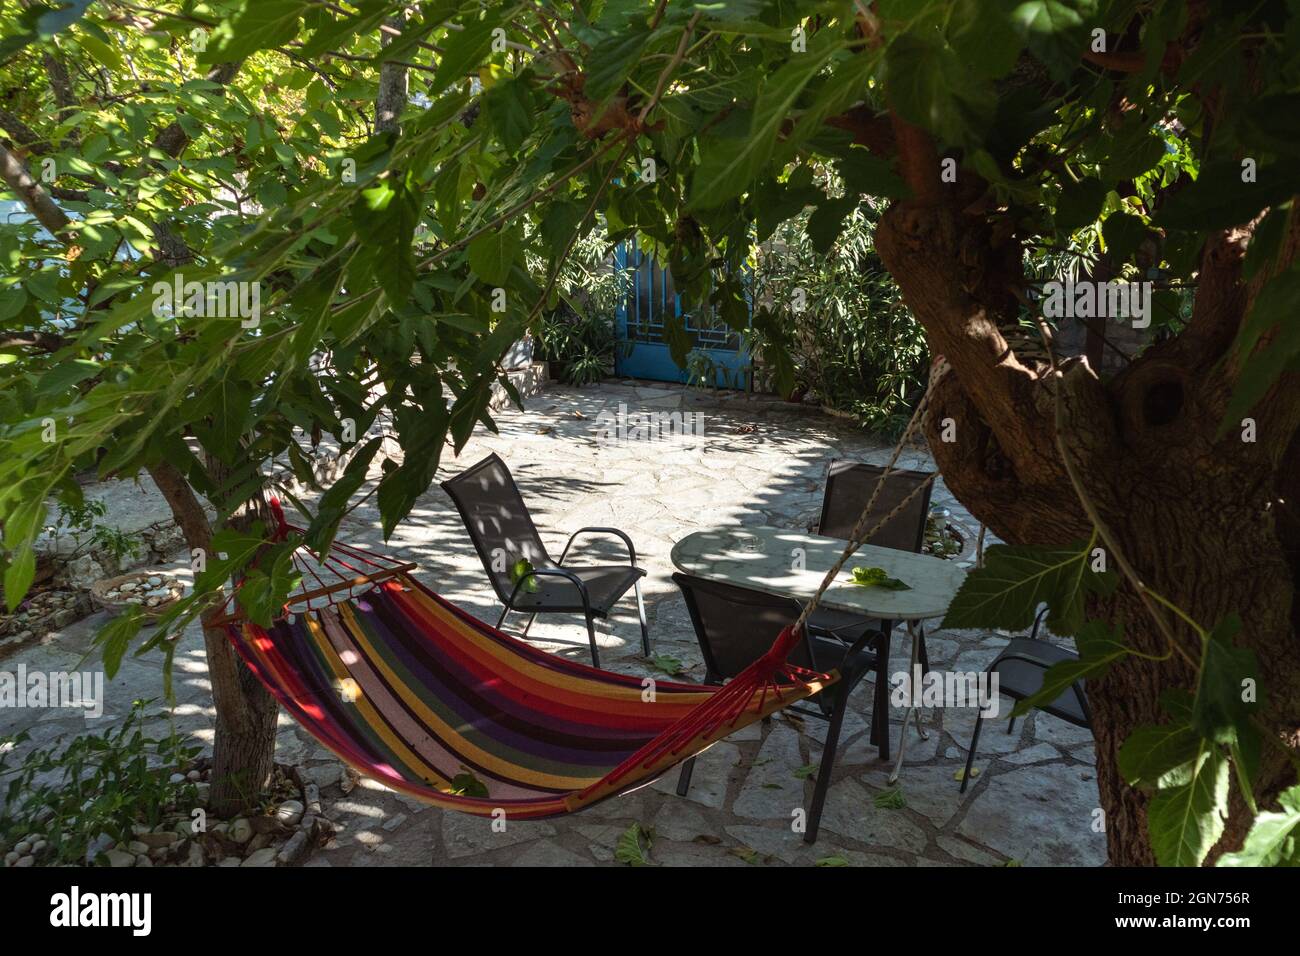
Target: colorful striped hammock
x: 417, y: 694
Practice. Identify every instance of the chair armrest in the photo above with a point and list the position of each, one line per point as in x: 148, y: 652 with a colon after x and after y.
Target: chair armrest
x: 631, y: 551
x: 852, y: 651
x: 554, y: 573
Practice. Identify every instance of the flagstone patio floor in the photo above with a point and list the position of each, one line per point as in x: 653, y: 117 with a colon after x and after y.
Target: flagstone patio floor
x: 757, y: 462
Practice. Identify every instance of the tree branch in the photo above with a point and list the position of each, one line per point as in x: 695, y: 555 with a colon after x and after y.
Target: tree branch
x: 34, y: 197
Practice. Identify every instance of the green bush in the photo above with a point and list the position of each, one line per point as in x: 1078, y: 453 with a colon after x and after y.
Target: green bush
x: 103, y: 784
x: 854, y: 344
x: 579, y: 336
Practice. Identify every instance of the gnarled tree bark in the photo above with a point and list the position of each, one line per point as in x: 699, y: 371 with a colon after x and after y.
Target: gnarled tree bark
x: 1204, y: 518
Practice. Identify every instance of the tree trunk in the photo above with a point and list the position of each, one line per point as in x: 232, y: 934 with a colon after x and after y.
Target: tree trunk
x: 391, y: 99
x: 244, y: 745
x: 1203, y: 518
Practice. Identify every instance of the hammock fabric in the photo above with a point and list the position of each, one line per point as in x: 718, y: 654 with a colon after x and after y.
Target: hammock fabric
x: 413, y: 692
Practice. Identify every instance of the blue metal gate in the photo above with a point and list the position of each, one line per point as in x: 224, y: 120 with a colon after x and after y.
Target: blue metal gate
x: 717, y: 351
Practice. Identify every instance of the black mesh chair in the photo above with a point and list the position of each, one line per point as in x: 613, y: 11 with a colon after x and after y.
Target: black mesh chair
x: 1020, y: 669
x: 849, y: 486
x: 735, y: 626
x: 503, y: 533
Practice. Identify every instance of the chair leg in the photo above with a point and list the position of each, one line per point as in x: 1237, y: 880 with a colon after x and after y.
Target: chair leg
x: 880, y: 700
x: 970, y: 754
x: 826, y: 768
x: 1011, y: 726
x: 531, y: 618
x: 640, y: 610
x: 502, y: 619
x: 684, y: 778
x: 591, y: 636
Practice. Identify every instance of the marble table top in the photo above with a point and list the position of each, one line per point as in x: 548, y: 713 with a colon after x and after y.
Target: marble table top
x: 792, y: 564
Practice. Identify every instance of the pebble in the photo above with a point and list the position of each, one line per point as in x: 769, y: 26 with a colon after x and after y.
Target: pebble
x: 196, y: 857
x: 289, y: 812
x: 348, y: 779
x: 158, y: 840
x: 230, y: 861
x: 12, y: 857
x: 193, y: 776
x: 119, y: 858
x: 262, y: 857
x: 143, y: 860
x: 294, y: 850
x: 137, y: 847
x: 23, y: 847
x: 241, y: 830
x: 26, y: 861
x: 176, y: 778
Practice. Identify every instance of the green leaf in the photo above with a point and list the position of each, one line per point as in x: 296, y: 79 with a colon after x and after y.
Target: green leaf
x: 1274, y: 838
x: 465, y: 784
x: 227, y: 412
x: 928, y: 83
x: 1080, y: 204
x: 1152, y: 753
x: 1123, y: 234
x: 259, y: 25
x: 1055, y: 31
x: 334, y: 502
x: 519, y: 570
x: 103, y: 53
x: 629, y: 849
x: 1274, y: 308
x: 982, y: 33
x: 66, y: 375
x: 610, y: 61
x: 423, y: 436
x: 115, y: 637
x: 1219, y: 709
x: 1220, y: 198
x: 672, y: 666
x: 827, y: 222
x: 728, y: 164
x: 1015, y: 580
x: 1098, y: 649
x: 865, y: 172
x: 263, y: 595
x: 876, y: 577
x: 464, y: 50
x: 1185, y: 821
x: 493, y: 254
x: 510, y: 111
x: 891, y: 799
x: 19, y: 576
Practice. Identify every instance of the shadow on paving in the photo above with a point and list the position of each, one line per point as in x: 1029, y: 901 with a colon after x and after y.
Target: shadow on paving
x: 757, y: 463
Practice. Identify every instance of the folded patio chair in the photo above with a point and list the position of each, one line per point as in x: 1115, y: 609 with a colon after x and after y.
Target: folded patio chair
x: 731, y: 624
x: 849, y: 486
x: 504, y: 534
x: 1020, y: 669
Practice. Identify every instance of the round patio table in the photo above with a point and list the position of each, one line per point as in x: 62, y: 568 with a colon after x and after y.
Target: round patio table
x: 792, y: 564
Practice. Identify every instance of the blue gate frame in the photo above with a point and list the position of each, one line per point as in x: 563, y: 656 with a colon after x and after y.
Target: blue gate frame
x: 641, y: 313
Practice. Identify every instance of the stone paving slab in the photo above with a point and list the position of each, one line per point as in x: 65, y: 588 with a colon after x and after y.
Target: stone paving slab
x: 758, y: 462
